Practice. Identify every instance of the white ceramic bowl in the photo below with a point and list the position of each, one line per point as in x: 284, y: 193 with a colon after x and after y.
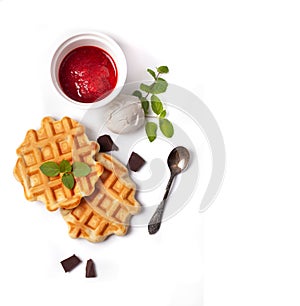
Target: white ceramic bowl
x: 98, y: 40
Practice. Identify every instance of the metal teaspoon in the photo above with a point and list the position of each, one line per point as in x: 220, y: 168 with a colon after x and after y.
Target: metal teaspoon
x: 177, y: 161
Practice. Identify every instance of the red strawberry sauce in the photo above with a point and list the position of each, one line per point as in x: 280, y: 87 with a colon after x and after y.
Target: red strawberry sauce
x: 88, y: 74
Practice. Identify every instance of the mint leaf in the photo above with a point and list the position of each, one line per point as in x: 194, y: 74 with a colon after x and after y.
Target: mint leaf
x: 162, y: 69
x: 152, y: 73
x: 151, y: 129
x: 166, y: 127
x: 145, y: 88
x: 145, y: 105
x: 50, y: 169
x: 81, y: 169
x: 156, y: 104
x: 163, y: 114
x: 159, y: 86
x: 137, y: 93
x: 68, y: 180
x: 65, y: 166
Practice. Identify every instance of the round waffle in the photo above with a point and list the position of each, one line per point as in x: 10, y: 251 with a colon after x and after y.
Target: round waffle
x: 109, y: 208
x: 64, y: 139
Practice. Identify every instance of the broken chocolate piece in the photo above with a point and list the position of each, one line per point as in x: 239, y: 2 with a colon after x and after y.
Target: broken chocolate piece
x: 106, y: 144
x: 70, y: 263
x: 135, y: 162
x: 90, y: 270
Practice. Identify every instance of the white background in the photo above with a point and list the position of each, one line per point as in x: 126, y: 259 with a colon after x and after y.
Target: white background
x: 242, y: 58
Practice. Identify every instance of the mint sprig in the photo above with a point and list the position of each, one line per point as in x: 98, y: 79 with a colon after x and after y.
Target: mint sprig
x: 78, y: 169
x: 145, y: 91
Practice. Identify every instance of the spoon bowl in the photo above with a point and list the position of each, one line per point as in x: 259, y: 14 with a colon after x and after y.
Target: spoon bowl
x: 178, y: 159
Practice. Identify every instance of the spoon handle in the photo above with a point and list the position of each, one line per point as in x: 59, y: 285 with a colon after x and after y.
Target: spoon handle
x: 155, y: 221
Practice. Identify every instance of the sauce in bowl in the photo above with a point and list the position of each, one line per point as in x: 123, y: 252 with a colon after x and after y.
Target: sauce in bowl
x: 87, y: 74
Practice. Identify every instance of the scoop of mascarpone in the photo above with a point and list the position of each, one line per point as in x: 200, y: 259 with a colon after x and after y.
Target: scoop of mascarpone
x: 125, y: 114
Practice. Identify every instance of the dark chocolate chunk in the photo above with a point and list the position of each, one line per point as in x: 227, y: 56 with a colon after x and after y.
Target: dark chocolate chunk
x: 70, y: 263
x: 135, y: 162
x: 106, y: 144
x: 90, y: 270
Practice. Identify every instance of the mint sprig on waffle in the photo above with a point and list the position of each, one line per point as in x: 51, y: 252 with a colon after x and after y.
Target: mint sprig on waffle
x: 68, y: 170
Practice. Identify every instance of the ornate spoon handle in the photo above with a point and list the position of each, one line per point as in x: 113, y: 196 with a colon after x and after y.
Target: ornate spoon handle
x: 155, y: 221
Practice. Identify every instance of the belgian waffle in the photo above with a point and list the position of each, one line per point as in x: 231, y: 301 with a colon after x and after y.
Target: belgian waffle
x: 109, y: 208
x: 56, y: 141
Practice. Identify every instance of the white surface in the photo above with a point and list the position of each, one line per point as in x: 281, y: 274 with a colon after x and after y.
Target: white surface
x: 242, y: 59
